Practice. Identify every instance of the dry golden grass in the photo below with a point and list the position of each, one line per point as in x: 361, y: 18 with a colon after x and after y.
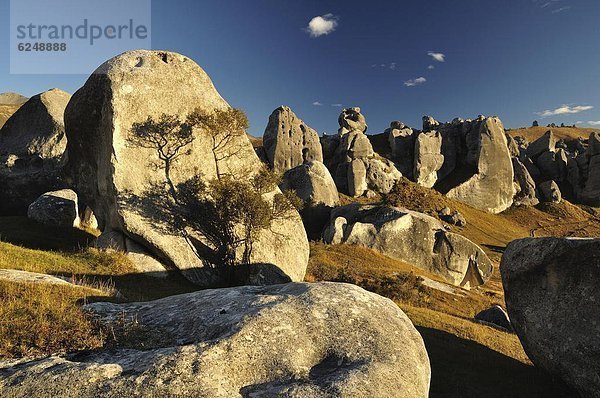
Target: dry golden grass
x: 566, y: 133
x: 468, y: 359
x: 39, y: 319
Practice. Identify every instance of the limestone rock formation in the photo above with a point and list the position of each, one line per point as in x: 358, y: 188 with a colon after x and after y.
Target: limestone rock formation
x: 491, y: 187
x: 550, y: 192
x: 428, y: 158
x: 32, y: 144
x: 412, y: 237
x: 313, y: 183
x: 289, y: 142
x: 429, y: 123
x: 113, y: 177
x: 294, y: 340
x: 551, y: 290
x: 350, y: 156
x: 590, y: 189
x: 495, y: 316
x: 525, y: 185
x: 57, y: 208
x: 402, y: 143
x: 546, y: 143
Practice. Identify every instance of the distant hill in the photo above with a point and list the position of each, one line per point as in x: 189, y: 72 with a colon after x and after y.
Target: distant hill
x: 12, y: 99
x: 566, y: 133
x: 6, y: 111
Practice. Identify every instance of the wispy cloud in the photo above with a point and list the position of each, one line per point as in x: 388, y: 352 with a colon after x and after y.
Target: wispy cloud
x: 317, y: 103
x: 322, y: 25
x: 430, y: 67
x: 554, y: 6
x: 438, y: 57
x: 337, y: 105
x: 391, y: 66
x: 561, y: 9
x: 565, y: 110
x: 590, y: 123
x: 415, y: 82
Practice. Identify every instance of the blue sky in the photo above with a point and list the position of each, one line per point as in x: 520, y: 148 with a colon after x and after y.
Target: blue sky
x: 511, y: 58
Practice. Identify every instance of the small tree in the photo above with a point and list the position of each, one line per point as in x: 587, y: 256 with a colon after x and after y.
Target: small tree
x: 168, y: 136
x: 224, y: 128
x: 228, y: 212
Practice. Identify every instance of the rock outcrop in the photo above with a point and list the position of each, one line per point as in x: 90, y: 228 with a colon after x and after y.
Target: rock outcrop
x: 313, y: 183
x: 355, y: 167
x: 402, y: 143
x: 468, y: 160
x: 412, y: 237
x: 32, y: 145
x: 550, y: 192
x: 113, y: 176
x: 289, y: 142
x: 495, y: 316
x: 526, y: 194
x: 295, y: 340
x: 428, y: 158
x: 491, y: 187
x: 551, y: 290
x: 57, y: 208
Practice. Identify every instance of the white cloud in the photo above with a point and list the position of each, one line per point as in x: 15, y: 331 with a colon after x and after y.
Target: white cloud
x: 591, y: 123
x: 317, y: 103
x: 415, y: 82
x: 438, y: 57
x: 393, y: 66
x: 322, y: 25
x: 565, y: 110
x: 337, y: 105
x: 430, y: 67
x: 561, y: 9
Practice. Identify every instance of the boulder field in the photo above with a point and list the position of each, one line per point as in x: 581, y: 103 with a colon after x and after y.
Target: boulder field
x: 293, y: 340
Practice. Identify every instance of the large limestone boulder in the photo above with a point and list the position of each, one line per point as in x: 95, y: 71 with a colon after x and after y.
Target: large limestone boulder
x: 113, y: 177
x: 590, y: 167
x: 551, y: 289
x: 526, y: 194
x: 550, y: 192
x: 412, y: 237
x: 546, y: 143
x: 32, y: 145
x: 491, y: 187
x: 294, y: 340
x: 428, y: 158
x: 402, y: 143
x: 289, y: 142
x: 313, y: 183
x: 57, y: 208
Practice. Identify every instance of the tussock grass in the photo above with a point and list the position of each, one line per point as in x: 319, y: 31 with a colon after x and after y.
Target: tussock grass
x: 40, y: 319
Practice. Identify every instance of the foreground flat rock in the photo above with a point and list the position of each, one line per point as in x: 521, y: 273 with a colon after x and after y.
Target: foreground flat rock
x: 113, y: 177
x: 552, y: 296
x: 294, y: 340
x: 412, y: 237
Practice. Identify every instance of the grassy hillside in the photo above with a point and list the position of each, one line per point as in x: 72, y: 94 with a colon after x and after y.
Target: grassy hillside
x: 566, y: 133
